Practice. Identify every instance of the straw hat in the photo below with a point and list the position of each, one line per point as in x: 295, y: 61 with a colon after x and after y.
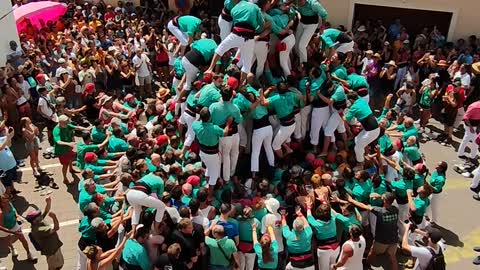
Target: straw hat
x: 476, y: 67
x: 377, y: 55
x: 392, y: 63
x: 163, y: 92
x: 105, y: 99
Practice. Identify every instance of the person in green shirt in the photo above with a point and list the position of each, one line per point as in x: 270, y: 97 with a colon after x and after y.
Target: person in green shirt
x: 63, y: 144
x: 324, y: 225
x: 298, y: 241
x: 135, y: 252
x: 405, y: 130
x: 427, y: 93
x: 283, y: 104
x: 87, y: 146
x: 437, y: 181
x: 200, y: 55
x: 99, y: 132
x: 356, y: 83
x: 98, y: 166
x: 208, y: 136
x: 220, y: 112
x: 362, y: 112
x: 247, y: 23
x: 245, y: 235
x: 186, y: 29
x: 337, y: 100
x: 116, y: 143
x: 420, y: 204
x: 335, y: 40
x: 403, y: 190
x: 210, y: 93
x: 266, y: 249
x: 147, y: 192
x: 222, y: 249
x: 310, y: 11
x: 411, y: 151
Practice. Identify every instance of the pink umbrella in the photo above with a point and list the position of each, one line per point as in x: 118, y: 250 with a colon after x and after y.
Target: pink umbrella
x: 37, y: 11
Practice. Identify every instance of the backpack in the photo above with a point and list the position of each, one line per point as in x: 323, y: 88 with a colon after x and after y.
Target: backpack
x: 437, y: 262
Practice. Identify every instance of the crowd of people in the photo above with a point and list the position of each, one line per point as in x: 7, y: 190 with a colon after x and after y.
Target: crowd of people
x: 266, y: 139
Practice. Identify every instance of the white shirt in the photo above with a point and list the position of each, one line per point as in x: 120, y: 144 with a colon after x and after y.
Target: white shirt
x: 465, y: 78
x: 201, y: 220
x: 276, y: 222
x: 143, y: 70
x: 44, y: 108
x: 25, y: 89
x: 424, y: 256
x: 365, y: 63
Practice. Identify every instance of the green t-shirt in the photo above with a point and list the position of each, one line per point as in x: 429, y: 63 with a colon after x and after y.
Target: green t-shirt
x: 283, y: 104
x: 418, y: 181
x: 401, y: 187
x: 206, y: 47
x: 385, y: 143
x: 64, y: 135
x: 155, y: 183
x: 329, y: 37
x: 323, y: 230
x: 357, y: 81
x: 425, y: 99
x: 117, y: 145
x: 412, y: 153
x: 340, y: 71
x: 361, y: 191
x: 136, y: 254
x: 189, y: 24
x: 359, y: 109
x: 421, y: 204
x: 380, y: 190
x: 437, y: 181
x: 245, y: 229
x: 98, y: 135
x: 407, y: 132
x: 273, y: 249
x: 82, y: 149
x: 207, y: 134
x: 216, y: 256
x: 312, y: 8
x: 220, y: 111
x: 338, y: 94
x: 209, y: 94
x: 298, y: 242
x: 249, y: 13
x: 348, y: 221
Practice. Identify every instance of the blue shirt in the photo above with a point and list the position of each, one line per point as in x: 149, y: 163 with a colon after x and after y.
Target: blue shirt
x: 231, y: 230
x: 7, y: 160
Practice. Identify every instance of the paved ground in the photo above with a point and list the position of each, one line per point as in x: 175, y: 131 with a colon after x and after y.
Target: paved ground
x: 459, y: 215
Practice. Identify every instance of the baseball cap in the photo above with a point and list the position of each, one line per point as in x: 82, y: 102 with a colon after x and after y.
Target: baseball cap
x: 232, y: 82
x: 32, y: 215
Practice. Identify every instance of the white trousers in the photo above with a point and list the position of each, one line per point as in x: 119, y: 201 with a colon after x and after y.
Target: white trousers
x: 175, y: 84
x: 402, y: 216
x: 225, y: 27
x: 229, y: 150
x: 363, y: 139
x: 212, y: 162
x: 303, y: 35
x: 319, y: 120
x: 190, y: 135
x: 262, y: 136
x: 467, y: 138
x: 247, y: 260
x: 261, y: 53
x: 303, y: 123
x: 282, y: 136
x: 345, y: 47
x: 327, y: 257
x: 290, y: 267
x: 138, y: 199
x: 285, y: 55
x: 181, y: 36
x: 433, y: 209
x: 245, y: 46
x: 335, y: 122
x: 191, y: 73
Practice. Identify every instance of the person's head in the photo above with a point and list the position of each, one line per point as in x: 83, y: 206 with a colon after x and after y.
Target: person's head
x: 218, y: 79
x: 142, y: 234
x: 355, y: 231
x: 323, y: 212
x: 185, y: 226
x: 265, y: 243
x: 227, y: 93
x: 91, y: 210
x: 433, y: 236
x: 282, y: 87
x: 89, y: 185
x: 442, y: 167
x: 412, y: 140
x: 218, y: 231
x: 205, y: 114
x: 352, y: 97
x: 174, y: 250
x: 5, y: 199
x: 63, y: 121
x: 138, y: 52
x: 263, y: 4
x: 298, y: 224
x: 225, y: 209
x: 93, y: 252
x: 408, y: 122
x: 424, y: 191
x: 361, y: 176
x: 13, y: 45
x: 388, y: 199
x: 99, y: 225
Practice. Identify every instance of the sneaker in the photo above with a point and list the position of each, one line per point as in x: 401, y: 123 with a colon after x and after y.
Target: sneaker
x: 476, y: 197
x: 476, y: 190
x: 476, y: 249
x: 462, y: 157
x: 467, y: 174
x: 476, y: 261
x: 21, y: 163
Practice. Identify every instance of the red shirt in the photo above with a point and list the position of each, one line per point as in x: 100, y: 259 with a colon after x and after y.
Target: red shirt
x: 461, y: 95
